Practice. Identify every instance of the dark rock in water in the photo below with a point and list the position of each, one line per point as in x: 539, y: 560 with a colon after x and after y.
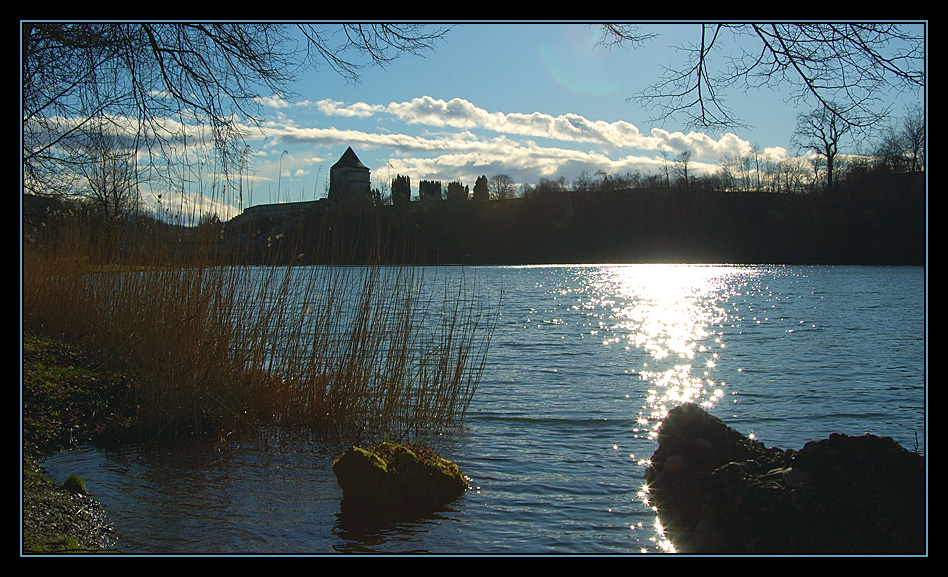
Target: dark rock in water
x: 718, y: 491
x: 394, y: 480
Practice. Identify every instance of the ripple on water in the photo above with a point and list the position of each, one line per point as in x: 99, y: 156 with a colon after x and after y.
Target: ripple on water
x: 582, y: 365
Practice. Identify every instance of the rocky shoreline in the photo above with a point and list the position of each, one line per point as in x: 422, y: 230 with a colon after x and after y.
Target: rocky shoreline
x: 57, y: 520
x: 720, y: 492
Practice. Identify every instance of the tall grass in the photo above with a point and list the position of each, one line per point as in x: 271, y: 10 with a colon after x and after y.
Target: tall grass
x: 209, y: 346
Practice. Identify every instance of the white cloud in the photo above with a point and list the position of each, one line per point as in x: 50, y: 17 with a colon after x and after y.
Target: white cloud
x: 568, y: 128
x: 358, y: 109
x: 456, y: 113
x: 274, y: 101
x: 465, y: 141
x: 775, y: 153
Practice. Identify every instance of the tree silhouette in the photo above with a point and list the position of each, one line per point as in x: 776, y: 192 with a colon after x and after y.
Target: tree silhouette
x: 846, y: 68
x: 821, y: 131
x: 481, y: 192
x: 110, y: 176
x: 914, y: 136
x: 501, y: 186
x: 145, y: 78
x: 456, y: 192
x: 401, y: 191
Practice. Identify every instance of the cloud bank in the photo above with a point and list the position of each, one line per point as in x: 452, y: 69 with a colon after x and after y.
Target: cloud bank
x: 430, y: 138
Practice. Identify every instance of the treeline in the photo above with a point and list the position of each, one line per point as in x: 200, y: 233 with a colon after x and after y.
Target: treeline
x: 870, y: 217
x: 875, y: 213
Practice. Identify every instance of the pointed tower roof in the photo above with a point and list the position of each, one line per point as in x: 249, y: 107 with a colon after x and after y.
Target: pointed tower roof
x: 349, y: 159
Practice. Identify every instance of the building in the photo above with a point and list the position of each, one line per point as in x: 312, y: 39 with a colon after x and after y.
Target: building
x: 348, y: 178
x: 281, y: 210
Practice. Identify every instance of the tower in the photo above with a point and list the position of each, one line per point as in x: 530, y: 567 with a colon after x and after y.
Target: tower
x: 348, y: 178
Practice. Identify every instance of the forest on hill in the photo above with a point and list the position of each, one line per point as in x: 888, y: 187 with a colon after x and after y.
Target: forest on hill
x: 871, y: 220
x: 875, y: 219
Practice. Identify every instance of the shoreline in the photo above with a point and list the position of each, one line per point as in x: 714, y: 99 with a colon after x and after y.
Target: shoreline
x: 63, y: 395
x: 65, y: 401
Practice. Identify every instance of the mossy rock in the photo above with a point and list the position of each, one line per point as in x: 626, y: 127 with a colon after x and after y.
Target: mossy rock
x: 393, y: 478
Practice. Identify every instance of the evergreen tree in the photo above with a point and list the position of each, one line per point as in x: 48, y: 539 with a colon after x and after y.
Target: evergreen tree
x: 456, y: 192
x: 480, y: 188
x: 401, y: 191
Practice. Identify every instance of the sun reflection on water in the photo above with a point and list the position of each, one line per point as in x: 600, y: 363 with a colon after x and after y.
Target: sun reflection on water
x: 670, y: 313
x: 673, y: 314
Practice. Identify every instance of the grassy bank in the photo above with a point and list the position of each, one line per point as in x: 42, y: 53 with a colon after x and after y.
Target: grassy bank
x: 67, y: 400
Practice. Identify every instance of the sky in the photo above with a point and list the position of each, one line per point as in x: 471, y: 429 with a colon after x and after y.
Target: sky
x: 530, y: 100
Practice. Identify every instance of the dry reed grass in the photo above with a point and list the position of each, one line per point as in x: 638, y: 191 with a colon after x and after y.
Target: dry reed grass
x: 352, y: 353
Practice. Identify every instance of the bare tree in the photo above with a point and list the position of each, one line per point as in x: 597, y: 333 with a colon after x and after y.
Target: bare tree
x: 914, y: 134
x: 890, y: 152
x: 152, y: 79
x: 548, y: 185
x: 821, y: 131
x: 583, y: 182
x: 110, y: 175
x: 902, y: 147
x: 793, y: 174
x: 847, y: 68
x: 682, y: 161
x: 501, y: 186
x: 728, y: 167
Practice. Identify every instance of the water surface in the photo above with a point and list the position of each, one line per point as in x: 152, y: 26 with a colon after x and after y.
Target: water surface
x: 584, y: 362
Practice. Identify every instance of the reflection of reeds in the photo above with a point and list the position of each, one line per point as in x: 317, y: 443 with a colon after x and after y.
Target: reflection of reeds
x: 349, y: 352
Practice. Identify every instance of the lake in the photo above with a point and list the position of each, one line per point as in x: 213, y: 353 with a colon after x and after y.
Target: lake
x: 584, y: 362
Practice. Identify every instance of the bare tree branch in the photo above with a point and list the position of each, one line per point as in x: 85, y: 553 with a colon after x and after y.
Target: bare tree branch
x: 163, y: 80
x: 849, y: 68
x: 821, y: 131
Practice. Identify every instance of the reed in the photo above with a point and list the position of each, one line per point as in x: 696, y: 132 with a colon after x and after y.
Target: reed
x: 352, y: 353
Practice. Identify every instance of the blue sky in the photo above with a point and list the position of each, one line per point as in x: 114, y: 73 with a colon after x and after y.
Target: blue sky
x: 532, y: 100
